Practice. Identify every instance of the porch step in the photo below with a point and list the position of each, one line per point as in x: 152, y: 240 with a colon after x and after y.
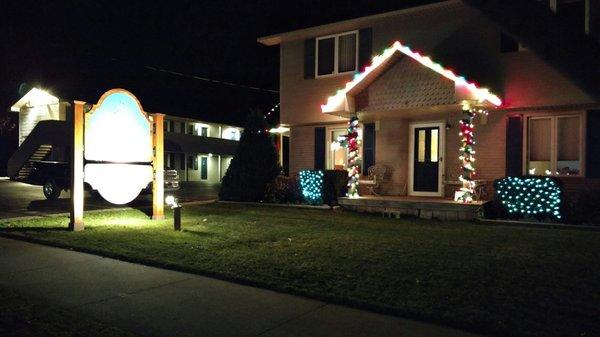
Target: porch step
x: 426, y: 208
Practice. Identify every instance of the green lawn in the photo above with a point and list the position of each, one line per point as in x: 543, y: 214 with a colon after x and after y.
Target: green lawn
x: 21, y: 316
x: 493, y: 279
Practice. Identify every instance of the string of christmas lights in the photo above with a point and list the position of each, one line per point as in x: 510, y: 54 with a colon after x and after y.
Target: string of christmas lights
x: 467, y: 156
x: 311, y: 182
x: 352, y: 141
x: 531, y: 196
x: 480, y: 94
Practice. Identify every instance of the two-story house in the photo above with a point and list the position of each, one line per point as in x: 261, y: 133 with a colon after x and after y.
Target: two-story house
x: 407, y: 76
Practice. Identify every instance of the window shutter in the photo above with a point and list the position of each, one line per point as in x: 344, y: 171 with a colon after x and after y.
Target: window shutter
x: 309, y: 58
x: 320, y: 148
x: 592, y: 144
x: 365, y: 47
x: 368, y: 146
x: 514, y: 146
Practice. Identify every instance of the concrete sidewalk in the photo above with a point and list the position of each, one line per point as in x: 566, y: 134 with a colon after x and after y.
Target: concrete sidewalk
x: 157, y: 302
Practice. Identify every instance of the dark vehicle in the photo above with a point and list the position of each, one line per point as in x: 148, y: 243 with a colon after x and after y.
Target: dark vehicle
x: 54, y: 177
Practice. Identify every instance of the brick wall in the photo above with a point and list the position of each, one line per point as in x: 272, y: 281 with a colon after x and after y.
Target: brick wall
x: 302, y: 148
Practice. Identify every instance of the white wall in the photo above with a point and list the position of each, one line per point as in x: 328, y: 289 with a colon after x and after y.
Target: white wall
x: 29, y: 117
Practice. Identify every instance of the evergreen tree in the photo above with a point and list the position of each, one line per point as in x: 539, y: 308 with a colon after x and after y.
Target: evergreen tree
x: 254, y: 165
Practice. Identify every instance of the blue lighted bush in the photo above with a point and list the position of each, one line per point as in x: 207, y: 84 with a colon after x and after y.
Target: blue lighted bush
x: 530, y: 196
x: 311, y: 183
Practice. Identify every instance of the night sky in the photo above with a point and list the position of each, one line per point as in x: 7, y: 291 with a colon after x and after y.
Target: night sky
x: 79, y: 49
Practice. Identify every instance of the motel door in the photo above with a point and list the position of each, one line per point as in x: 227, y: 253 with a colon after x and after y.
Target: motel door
x: 426, y: 160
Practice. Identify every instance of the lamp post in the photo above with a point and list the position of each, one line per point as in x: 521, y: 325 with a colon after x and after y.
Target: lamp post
x: 176, y: 207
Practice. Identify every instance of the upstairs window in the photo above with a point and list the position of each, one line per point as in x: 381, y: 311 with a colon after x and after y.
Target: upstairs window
x: 336, y: 54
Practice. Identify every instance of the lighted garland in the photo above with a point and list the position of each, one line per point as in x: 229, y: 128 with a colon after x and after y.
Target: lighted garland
x: 467, y: 153
x: 351, y: 141
x: 311, y: 182
x: 467, y: 156
x: 530, y: 197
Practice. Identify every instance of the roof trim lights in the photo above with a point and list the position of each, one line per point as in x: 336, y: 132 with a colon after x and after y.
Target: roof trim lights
x: 481, y: 94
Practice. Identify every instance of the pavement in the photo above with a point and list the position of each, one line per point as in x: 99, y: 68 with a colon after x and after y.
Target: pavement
x: 156, y: 302
x: 19, y: 199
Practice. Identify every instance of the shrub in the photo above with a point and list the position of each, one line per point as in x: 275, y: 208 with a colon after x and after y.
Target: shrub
x: 311, y: 183
x: 335, y: 184
x: 531, y: 196
x: 584, y: 208
x: 254, y: 165
x: 284, y: 190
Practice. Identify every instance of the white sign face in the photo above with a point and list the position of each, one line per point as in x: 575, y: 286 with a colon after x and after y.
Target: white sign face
x: 118, y: 131
x: 117, y: 135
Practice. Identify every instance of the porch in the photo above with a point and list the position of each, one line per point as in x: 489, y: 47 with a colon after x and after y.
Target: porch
x: 422, y: 207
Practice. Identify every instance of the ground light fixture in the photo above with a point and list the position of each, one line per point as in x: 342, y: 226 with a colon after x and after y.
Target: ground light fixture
x: 176, y: 207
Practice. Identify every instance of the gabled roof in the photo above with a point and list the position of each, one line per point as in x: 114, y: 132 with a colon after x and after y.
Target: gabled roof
x: 352, y: 24
x: 382, y: 62
x: 558, y: 42
x: 34, y: 97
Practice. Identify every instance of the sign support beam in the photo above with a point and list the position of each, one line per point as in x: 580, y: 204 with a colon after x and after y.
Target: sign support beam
x: 77, y: 119
x: 158, y: 184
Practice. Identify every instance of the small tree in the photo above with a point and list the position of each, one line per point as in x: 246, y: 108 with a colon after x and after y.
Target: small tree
x: 254, y: 164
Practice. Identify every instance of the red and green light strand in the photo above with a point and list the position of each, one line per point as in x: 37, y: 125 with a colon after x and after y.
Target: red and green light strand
x: 467, y: 156
x: 480, y: 94
x: 351, y: 141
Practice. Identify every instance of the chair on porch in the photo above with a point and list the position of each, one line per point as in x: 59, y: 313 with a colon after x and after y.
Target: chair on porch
x: 377, y: 176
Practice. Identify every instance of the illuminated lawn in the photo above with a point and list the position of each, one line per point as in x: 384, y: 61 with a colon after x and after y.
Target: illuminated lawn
x: 500, y: 280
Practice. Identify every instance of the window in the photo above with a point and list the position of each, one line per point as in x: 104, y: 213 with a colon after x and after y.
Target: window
x: 204, y: 131
x: 193, y: 162
x: 169, y: 160
x: 203, y: 168
x: 554, y: 145
x: 182, y: 161
x: 336, y: 54
x: 338, y: 155
x: 182, y: 127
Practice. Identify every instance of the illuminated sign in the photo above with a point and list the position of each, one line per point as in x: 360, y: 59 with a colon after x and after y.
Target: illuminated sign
x: 118, y: 147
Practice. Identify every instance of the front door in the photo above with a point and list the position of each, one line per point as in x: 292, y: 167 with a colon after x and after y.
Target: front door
x: 426, y: 159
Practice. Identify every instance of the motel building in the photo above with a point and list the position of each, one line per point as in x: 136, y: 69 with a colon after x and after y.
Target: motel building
x: 199, y: 151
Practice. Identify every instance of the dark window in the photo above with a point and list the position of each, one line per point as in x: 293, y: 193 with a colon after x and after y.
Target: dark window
x: 508, y: 44
x: 193, y: 162
x: 182, y: 127
x: 191, y: 129
x: 573, y: 13
x: 203, y: 168
x: 325, y: 56
x: 204, y: 131
x: 182, y: 161
x: 347, y: 53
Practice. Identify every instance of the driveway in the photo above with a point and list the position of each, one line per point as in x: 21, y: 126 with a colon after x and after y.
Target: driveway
x: 19, y: 199
x: 156, y: 302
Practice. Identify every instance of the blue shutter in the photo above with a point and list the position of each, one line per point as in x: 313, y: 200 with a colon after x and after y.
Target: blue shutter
x: 514, y: 146
x: 368, y: 146
x: 365, y: 48
x: 319, y: 148
x: 309, y: 58
x: 592, y: 144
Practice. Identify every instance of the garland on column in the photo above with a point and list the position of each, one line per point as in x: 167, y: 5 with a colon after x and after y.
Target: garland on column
x: 467, y: 153
x: 467, y: 156
x: 352, y: 141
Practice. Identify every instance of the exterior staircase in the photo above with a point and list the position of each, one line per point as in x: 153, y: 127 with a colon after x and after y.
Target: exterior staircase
x: 45, y: 136
x: 40, y: 154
